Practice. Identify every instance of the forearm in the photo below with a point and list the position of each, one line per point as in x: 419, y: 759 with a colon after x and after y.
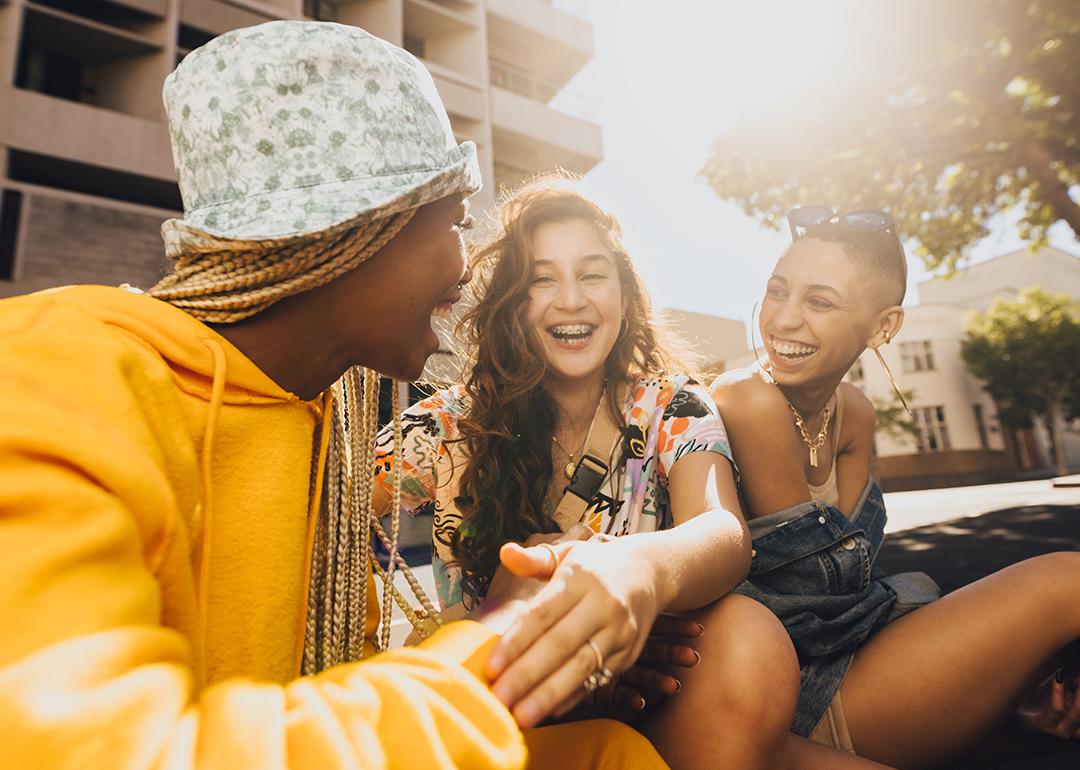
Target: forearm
x: 126, y: 697
x: 696, y: 562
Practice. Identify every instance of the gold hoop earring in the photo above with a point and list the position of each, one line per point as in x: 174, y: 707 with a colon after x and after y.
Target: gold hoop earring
x: 892, y: 380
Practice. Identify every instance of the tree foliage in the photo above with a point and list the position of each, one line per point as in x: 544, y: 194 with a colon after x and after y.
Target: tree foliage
x: 890, y: 417
x: 1027, y: 354
x: 959, y: 110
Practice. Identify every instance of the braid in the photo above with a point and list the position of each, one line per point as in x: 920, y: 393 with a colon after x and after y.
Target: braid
x: 395, y: 517
x: 363, y: 452
x: 219, y: 280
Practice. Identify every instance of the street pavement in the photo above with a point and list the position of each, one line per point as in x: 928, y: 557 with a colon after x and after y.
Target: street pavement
x: 962, y: 534
x: 918, y: 508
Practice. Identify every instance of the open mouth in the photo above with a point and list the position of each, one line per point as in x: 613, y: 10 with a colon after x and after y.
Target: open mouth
x: 787, y: 350
x: 572, y: 334
x: 443, y: 310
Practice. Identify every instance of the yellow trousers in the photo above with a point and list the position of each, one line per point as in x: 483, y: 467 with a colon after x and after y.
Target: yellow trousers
x: 593, y: 744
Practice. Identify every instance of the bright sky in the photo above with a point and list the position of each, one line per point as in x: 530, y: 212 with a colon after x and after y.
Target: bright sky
x: 665, y: 80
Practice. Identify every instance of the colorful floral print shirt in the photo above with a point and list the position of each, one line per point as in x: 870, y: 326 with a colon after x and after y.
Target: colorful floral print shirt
x: 666, y: 418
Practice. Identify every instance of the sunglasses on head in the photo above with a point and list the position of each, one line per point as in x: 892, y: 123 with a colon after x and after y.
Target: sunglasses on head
x: 859, y: 221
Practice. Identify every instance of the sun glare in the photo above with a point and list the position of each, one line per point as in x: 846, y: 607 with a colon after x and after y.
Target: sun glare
x: 780, y: 51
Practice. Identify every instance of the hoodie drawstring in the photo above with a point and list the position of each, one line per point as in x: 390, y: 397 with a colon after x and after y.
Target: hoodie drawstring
x: 217, y: 396
x: 312, y: 521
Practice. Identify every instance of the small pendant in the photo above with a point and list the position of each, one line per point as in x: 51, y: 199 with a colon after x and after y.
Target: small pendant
x: 813, y: 457
x: 569, y: 469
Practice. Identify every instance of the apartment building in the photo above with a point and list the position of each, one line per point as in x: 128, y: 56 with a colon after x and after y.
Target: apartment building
x: 86, y: 174
x: 960, y: 440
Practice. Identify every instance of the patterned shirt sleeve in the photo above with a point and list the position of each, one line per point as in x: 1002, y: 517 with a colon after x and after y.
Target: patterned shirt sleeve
x: 425, y: 427
x: 690, y: 423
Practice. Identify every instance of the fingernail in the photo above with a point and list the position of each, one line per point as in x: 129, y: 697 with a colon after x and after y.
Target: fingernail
x: 1059, y: 676
x: 678, y: 685
x: 526, y: 716
x: 697, y: 657
x: 700, y: 629
x: 639, y: 703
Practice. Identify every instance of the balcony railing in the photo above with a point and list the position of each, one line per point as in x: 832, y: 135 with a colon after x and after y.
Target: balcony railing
x: 527, y: 84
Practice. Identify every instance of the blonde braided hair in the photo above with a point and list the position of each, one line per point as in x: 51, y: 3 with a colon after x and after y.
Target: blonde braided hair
x: 345, y: 554
x: 223, y: 281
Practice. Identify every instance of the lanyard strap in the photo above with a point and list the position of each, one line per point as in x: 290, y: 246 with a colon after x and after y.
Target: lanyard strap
x: 589, y: 473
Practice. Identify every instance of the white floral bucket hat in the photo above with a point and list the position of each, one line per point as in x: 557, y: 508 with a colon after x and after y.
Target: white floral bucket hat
x: 289, y: 129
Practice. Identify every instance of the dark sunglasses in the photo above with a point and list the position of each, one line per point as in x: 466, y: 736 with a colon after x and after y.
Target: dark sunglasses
x: 860, y: 221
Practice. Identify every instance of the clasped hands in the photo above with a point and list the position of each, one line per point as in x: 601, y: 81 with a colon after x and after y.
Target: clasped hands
x: 553, y: 596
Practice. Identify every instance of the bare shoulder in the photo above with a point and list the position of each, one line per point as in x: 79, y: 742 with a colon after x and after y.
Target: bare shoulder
x: 754, y: 412
x: 744, y: 389
x: 859, y: 415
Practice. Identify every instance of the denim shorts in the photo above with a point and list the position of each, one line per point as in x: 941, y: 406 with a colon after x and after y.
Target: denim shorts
x: 815, y: 569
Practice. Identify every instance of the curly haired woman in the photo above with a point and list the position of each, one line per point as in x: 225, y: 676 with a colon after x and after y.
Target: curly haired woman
x: 564, y: 349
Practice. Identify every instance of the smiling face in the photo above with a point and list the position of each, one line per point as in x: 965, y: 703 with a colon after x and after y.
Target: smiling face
x: 389, y: 301
x: 575, y: 299
x: 819, y: 314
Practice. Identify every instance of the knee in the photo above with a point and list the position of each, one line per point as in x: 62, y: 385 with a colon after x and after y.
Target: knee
x: 1059, y: 564
x: 758, y: 680
x: 1052, y: 575
x: 1047, y: 571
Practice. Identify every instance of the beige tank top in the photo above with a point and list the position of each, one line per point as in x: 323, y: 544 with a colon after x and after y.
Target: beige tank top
x: 828, y: 492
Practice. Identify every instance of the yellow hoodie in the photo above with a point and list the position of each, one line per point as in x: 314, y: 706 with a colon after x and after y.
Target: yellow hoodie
x: 154, y: 519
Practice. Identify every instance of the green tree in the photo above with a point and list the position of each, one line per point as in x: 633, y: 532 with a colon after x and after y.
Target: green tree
x: 892, y: 419
x: 949, y: 113
x: 1027, y: 354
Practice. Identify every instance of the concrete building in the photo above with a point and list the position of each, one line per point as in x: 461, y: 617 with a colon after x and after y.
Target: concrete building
x: 960, y: 439
x: 714, y: 339
x: 86, y: 173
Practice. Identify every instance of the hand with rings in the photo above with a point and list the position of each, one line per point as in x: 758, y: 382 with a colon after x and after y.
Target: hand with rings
x: 601, y: 676
x: 588, y: 621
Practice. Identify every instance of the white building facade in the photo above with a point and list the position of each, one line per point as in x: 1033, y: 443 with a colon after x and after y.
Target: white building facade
x: 960, y: 439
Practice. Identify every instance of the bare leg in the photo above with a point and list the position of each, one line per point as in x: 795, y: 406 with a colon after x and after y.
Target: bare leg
x: 736, y: 705
x: 934, y: 683
x: 805, y: 754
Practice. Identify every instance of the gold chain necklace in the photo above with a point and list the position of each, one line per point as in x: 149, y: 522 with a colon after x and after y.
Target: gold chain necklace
x: 572, y: 466
x: 816, y: 442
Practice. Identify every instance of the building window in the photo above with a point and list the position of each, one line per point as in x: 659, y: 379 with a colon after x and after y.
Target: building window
x: 933, y: 433
x: 917, y: 356
x: 320, y: 10
x: 10, y: 208
x: 980, y: 424
x: 414, y: 45
x: 855, y: 373
x: 53, y: 74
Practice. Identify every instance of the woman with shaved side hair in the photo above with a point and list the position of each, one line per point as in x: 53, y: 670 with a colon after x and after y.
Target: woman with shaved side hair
x: 889, y: 670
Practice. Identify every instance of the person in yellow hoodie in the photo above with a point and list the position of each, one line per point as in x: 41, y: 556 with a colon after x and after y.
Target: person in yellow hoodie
x: 174, y: 592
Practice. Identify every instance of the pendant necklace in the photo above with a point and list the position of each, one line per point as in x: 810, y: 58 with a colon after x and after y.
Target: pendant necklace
x: 813, y: 443
x: 572, y: 465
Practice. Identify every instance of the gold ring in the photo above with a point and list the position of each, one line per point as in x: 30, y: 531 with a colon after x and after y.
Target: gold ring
x: 602, y: 677
x: 554, y: 556
x: 599, y: 655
